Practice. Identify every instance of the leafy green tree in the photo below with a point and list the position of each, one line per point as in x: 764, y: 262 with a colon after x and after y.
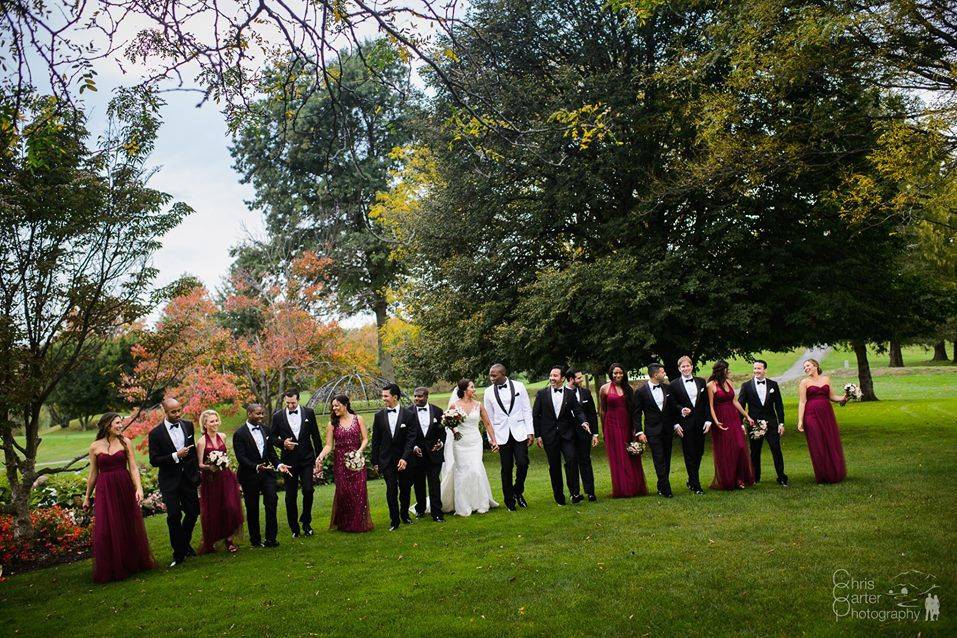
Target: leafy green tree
x: 78, y: 227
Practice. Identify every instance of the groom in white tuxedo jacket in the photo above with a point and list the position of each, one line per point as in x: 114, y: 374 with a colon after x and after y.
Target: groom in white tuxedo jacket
x: 510, y: 411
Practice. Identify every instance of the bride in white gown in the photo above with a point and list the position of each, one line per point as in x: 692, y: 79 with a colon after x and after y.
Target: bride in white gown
x: 465, y: 486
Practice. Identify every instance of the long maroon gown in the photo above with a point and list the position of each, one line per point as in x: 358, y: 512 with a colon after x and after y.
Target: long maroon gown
x: 732, y: 456
x: 350, y: 505
x: 627, y: 475
x: 220, y: 505
x: 823, y: 437
x: 120, y: 545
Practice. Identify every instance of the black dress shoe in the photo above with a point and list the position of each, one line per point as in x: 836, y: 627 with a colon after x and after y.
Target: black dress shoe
x: 666, y: 494
x: 592, y: 498
x: 307, y: 531
x: 393, y: 528
x: 577, y: 498
x: 520, y: 500
x: 560, y: 503
x: 419, y: 514
x: 271, y: 544
x: 295, y: 534
x: 190, y: 551
x: 438, y: 519
x: 783, y: 482
x: 257, y: 544
x: 407, y: 520
x: 698, y: 491
x: 510, y: 507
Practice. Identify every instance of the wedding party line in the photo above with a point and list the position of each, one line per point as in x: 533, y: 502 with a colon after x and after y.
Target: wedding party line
x: 436, y: 455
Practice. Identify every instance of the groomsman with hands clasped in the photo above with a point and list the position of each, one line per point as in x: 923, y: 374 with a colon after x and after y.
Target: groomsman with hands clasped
x: 586, y: 437
x: 393, y: 438
x: 692, y: 419
x: 655, y: 424
x: 761, y: 397
x: 556, y: 418
x: 296, y: 433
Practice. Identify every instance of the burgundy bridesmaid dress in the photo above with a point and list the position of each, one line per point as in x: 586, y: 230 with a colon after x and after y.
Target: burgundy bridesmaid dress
x: 732, y: 456
x: 120, y: 545
x: 627, y: 475
x: 350, y: 505
x: 823, y: 437
x: 220, y: 505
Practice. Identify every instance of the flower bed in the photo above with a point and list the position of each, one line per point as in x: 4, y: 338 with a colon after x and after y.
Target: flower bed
x: 62, y: 535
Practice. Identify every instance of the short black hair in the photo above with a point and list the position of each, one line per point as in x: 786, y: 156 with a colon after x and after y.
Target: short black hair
x: 560, y: 368
x: 291, y: 392
x: 392, y: 389
x: 653, y: 368
x: 421, y: 390
x: 571, y: 373
x: 762, y: 362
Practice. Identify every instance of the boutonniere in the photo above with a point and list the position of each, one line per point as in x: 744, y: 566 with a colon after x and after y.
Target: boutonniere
x: 771, y: 390
x: 701, y: 390
x: 402, y: 425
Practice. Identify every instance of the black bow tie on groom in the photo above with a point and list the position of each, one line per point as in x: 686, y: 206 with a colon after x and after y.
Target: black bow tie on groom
x: 760, y: 382
x: 502, y: 386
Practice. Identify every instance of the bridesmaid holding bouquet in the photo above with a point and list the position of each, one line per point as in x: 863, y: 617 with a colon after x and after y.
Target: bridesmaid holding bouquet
x: 348, y: 434
x: 120, y: 545
x: 220, y: 505
x: 816, y: 420
x: 615, y: 401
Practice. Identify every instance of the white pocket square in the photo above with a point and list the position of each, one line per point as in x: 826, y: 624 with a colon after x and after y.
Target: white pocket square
x: 402, y: 426
x: 771, y: 390
x: 701, y: 390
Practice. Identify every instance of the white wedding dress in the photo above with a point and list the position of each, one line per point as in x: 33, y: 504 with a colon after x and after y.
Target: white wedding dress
x: 465, y: 486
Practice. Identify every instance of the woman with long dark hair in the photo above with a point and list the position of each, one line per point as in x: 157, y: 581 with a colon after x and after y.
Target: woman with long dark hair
x: 120, y: 545
x: 347, y: 434
x: 464, y: 481
x: 615, y: 400
x: 732, y: 456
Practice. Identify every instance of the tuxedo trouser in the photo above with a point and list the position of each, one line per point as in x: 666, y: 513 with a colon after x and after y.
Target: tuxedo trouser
x: 264, y: 485
x: 427, y: 474
x: 583, y: 454
x: 182, y: 510
x: 661, y: 455
x: 774, y: 442
x: 301, y: 476
x: 513, y: 454
x: 398, y: 492
x: 692, y: 448
x: 555, y: 451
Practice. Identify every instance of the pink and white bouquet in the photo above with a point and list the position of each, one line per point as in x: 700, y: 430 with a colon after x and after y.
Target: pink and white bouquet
x: 635, y: 448
x: 452, y: 418
x: 219, y: 460
x: 354, y: 461
x: 852, y: 392
x: 758, y: 430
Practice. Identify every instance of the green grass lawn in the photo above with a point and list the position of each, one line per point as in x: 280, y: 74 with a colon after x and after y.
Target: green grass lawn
x: 757, y: 562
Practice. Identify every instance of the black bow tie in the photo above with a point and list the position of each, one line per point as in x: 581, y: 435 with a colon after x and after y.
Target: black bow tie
x: 391, y: 410
x: 174, y: 425
x: 502, y: 386
x: 760, y: 382
x: 556, y: 390
x: 655, y: 387
x: 256, y: 427
x: 423, y: 409
x: 294, y: 412
x: 689, y: 380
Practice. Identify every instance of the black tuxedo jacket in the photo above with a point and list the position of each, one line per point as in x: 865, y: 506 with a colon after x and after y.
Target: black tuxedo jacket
x: 700, y: 411
x: 309, y: 439
x: 388, y: 449
x: 433, y: 435
x: 248, y: 456
x: 772, y: 410
x: 549, y: 427
x: 590, y: 410
x: 172, y: 473
x: 648, y: 418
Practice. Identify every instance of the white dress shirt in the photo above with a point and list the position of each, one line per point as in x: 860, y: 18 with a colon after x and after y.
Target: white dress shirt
x: 762, y: 389
x: 425, y: 417
x: 691, y: 388
x: 258, y: 438
x: 557, y: 398
x: 295, y: 421
x: 393, y: 415
x: 659, y: 395
x: 177, y: 435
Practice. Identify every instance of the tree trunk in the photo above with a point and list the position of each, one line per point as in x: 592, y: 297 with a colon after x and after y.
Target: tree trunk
x: 955, y: 350
x: 940, y: 351
x: 897, y: 357
x: 20, y: 500
x: 384, y: 359
x: 863, y: 372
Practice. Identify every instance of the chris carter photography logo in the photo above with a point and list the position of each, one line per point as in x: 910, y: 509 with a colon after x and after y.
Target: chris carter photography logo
x: 909, y: 596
